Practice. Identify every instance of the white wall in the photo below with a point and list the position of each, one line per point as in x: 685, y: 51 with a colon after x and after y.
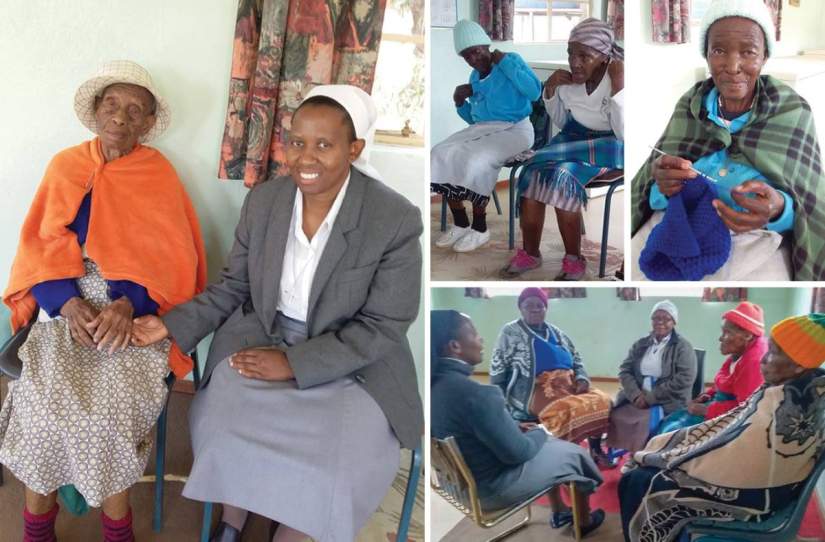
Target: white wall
x: 47, y: 48
x: 658, y: 74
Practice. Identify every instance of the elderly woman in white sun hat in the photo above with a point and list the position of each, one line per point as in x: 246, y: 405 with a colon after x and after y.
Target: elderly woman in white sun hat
x: 111, y: 234
x: 310, y: 385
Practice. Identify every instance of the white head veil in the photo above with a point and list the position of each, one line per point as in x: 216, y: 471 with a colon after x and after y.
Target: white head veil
x: 363, y: 113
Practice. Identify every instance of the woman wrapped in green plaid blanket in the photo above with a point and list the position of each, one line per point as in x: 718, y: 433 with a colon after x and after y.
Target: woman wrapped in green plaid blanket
x: 587, y: 104
x: 752, y: 139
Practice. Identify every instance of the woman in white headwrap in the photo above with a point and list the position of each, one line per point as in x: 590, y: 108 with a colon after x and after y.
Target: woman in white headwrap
x: 310, y: 385
x: 586, y: 103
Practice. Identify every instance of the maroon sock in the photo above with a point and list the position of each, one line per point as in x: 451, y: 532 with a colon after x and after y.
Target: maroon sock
x: 117, y: 530
x: 39, y: 527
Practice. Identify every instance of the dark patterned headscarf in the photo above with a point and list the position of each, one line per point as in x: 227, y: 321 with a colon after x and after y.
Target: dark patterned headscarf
x: 597, y: 35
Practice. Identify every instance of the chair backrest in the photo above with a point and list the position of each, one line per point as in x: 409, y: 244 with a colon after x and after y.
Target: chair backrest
x: 451, y: 478
x: 801, y: 505
x: 541, y: 124
x: 699, y: 382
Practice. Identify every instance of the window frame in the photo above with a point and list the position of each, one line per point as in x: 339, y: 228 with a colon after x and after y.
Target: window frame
x: 549, y: 11
x: 395, y: 137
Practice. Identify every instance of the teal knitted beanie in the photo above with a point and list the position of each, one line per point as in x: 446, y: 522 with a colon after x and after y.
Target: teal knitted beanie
x: 468, y: 34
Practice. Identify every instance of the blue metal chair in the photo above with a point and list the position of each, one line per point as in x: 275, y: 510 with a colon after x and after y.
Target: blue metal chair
x: 160, y: 447
x: 406, y: 509
x: 781, y: 526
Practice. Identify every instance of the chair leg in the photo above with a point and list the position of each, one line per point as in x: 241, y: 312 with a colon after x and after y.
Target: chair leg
x: 160, y: 469
x: 605, y: 229
x: 409, y: 496
x: 513, y: 208
x: 496, y: 202
x: 207, y: 521
x: 443, y: 213
x: 518, y: 526
x: 577, y: 533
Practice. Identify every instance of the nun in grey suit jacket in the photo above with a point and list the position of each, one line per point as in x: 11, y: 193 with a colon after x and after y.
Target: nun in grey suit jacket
x: 303, y: 405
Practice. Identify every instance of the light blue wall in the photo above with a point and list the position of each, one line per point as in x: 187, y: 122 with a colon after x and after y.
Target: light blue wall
x: 603, y: 327
x: 448, y: 70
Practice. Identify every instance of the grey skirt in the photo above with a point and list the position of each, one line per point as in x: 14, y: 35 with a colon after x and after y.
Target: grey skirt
x: 629, y: 427
x: 472, y: 157
x: 319, y: 460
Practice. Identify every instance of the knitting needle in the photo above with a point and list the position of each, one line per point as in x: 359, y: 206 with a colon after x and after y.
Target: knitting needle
x: 693, y: 169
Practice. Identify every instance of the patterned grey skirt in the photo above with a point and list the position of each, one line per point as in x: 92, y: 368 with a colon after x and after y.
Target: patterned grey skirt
x: 79, y: 416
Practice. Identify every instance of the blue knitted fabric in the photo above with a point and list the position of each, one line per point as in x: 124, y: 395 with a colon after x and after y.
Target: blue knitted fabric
x: 691, y: 241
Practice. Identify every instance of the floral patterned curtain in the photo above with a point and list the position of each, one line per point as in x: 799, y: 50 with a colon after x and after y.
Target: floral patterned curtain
x: 615, y: 18
x: 671, y: 21
x: 496, y: 18
x: 282, y: 49
x: 629, y: 294
x: 476, y: 293
x: 725, y: 294
x: 776, y: 11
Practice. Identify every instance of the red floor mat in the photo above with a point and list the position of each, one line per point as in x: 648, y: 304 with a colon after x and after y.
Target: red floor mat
x: 607, y: 498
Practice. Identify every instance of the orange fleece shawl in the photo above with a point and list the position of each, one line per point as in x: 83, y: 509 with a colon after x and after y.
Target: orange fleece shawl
x: 142, y: 228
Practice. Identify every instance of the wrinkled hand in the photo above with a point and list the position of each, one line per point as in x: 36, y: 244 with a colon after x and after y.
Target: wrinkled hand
x: 697, y: 409
x: 113, y: 325
x: 262, y: 363
x: 582, y: 386
x: 78, y: 313
x: 497, y: 56
x: 640, y: 401
x: 557, y: 79
x: 766, y: 206
x: 148, y: 330
x: 616, y: 71
x: 670, y: 172
x: 462, y: 92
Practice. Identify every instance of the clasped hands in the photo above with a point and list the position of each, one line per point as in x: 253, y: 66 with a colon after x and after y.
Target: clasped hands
x: 259, y: 363
x: 671, y: 172
x: 110, y: 327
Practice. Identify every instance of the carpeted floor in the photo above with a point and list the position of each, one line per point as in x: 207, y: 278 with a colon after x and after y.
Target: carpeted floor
x: 486, y: 262
x: 182, y: 518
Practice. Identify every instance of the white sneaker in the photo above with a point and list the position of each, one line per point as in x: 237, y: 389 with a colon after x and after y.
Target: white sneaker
x: 472, y: 241
x: 451, y: 236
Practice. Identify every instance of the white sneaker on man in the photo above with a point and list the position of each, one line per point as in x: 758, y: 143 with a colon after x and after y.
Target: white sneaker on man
x: 451, y: 236
x: 472, y: 241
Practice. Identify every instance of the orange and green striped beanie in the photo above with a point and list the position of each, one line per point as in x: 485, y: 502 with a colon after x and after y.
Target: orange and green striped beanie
x: 802, y: 338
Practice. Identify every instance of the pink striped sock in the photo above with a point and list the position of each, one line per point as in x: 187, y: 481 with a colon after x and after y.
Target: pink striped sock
x: 117, y: 530
x: 39, y: 527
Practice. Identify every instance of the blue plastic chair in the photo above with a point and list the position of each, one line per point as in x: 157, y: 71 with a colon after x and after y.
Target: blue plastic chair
x: 781, y: 526
x: 406, y: 509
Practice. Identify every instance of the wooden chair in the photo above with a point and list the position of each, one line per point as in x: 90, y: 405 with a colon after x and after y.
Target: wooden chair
x: 451, y: 479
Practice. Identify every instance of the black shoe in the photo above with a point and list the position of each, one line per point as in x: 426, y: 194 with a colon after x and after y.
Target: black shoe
x: 225, y: 532
x: 596, y: 519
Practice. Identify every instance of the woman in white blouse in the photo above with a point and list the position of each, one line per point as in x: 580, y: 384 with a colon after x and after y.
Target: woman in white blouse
x: 586, y: 103
x: 658, y: 372
x: 310, y: 385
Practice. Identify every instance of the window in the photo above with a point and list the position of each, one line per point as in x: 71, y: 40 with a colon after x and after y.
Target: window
x: 399, y: 75
x: 539, y: 21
